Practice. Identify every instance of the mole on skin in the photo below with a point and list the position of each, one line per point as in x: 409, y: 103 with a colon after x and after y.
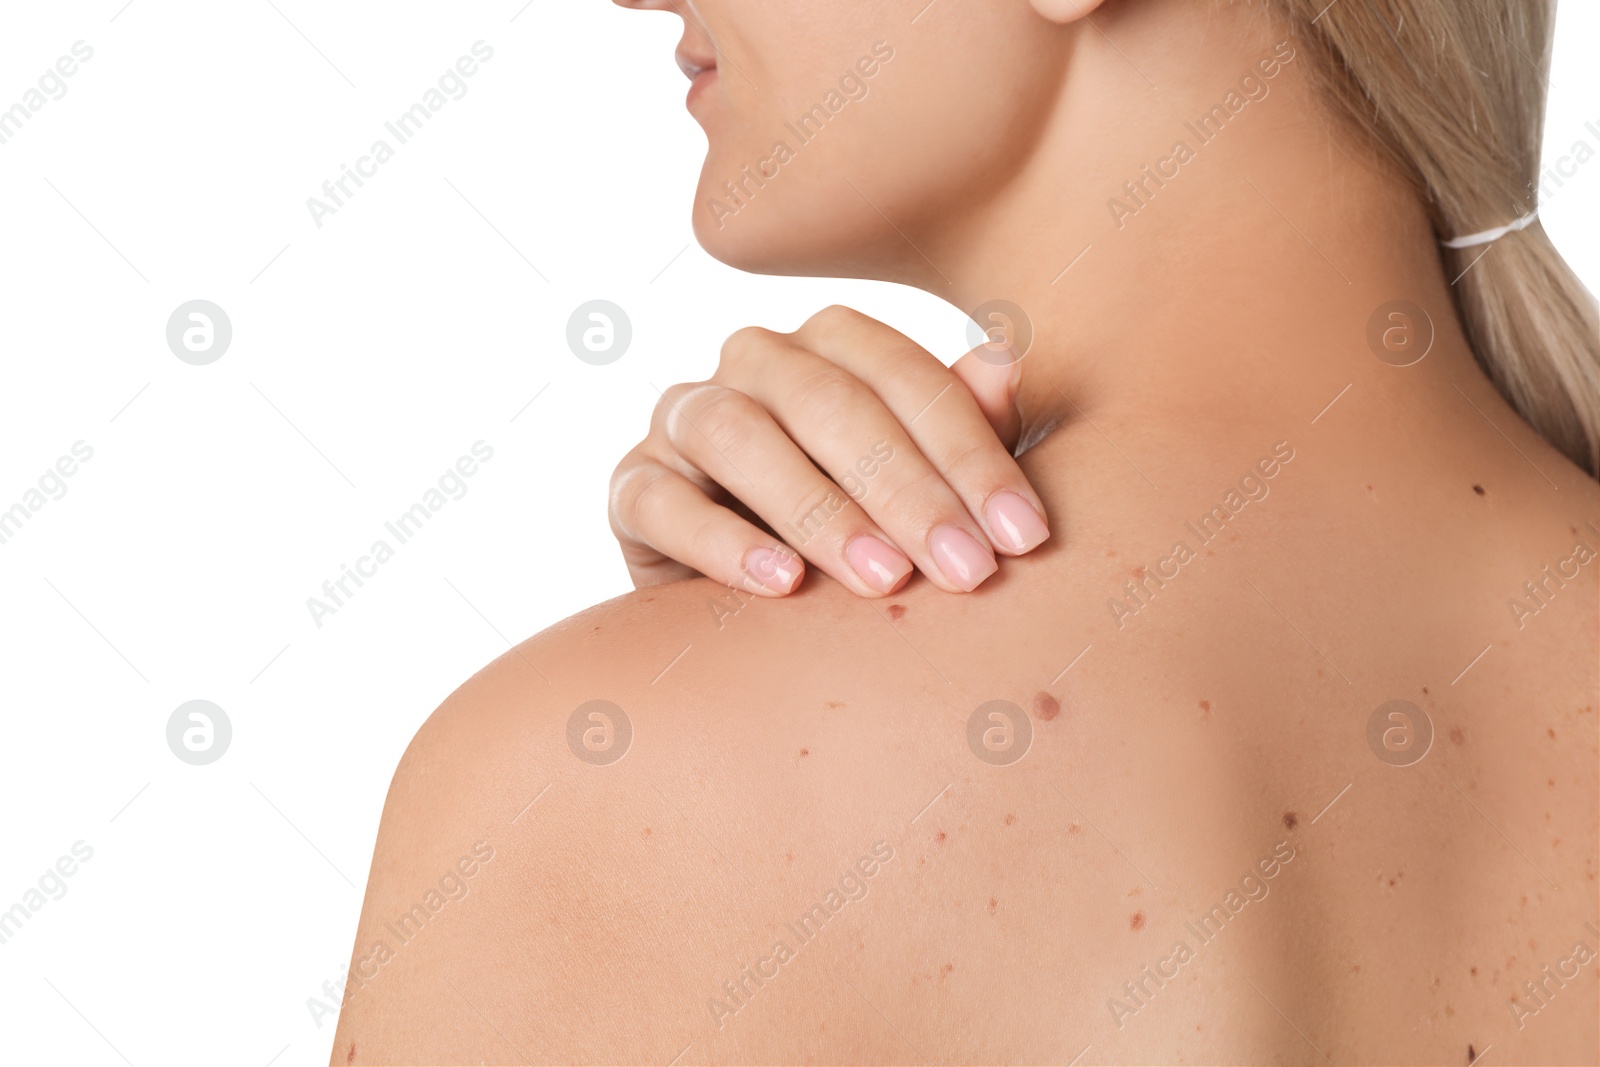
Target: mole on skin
x: 897, y: 611
x: 1046, y: 707
x: 1290, y: 820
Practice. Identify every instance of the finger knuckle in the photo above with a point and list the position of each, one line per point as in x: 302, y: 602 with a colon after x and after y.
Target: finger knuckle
x: 724, y: 418
x: 744, y: 343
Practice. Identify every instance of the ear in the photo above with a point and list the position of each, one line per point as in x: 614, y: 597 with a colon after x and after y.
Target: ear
x: 1062, y: 12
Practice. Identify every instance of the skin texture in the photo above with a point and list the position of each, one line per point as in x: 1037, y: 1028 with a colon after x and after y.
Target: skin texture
x: 1211, y: 727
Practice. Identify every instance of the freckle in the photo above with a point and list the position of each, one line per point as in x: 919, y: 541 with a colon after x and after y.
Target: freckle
x: 1136, y: 890
x: 897, y: 612
x: 1551, y: 782
x: 1205, y: 706
x: 1136, y: 921
x: 1111, y: 553
x: 1356, y: 968
x: 993, y: 905
x: 1210, y: 552
x: 1072, y: 827
x: 1045, y: 707
x: 1290, y: 820
x: 1551, y: 734
x: 646, y: 831
x: 1457, y: 736
x: 1474, y: 972
x: 790, y: 856
x: 1478, y: 489
x: 805, y: 752
x: 939, y: 837
x: 1138, y: 573
x: 1391, y: 882
x: 1010, y: 818
x: 1450, y: 1010
x: 835, y: 703
x: 947, y: 968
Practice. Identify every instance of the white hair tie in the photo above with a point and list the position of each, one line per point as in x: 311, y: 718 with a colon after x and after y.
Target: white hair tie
x: 1493, y: 235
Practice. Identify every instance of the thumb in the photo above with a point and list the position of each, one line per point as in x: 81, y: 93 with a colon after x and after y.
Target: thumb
x: 992, y: 373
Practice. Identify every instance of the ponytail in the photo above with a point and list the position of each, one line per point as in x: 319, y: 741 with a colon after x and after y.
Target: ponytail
x: 1454, y: 92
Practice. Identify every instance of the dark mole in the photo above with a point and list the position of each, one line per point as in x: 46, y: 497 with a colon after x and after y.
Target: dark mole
x: 1136, y: 921
x: 1472, y: 1053
x: 1046, y: 707
x: 805, y: 752
x: 897, y: 611
x: 1478, y: 489
x: 1010, y: 818
x: 1290, y: 820
x: 939, y: 837
x: 1457, y: 736
x: 1424, y: 690
x: 1474, y: 972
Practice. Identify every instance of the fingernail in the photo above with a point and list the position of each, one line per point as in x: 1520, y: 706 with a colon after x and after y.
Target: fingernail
x: 962, y: 560
x: 773, y: 569
x: 1014, y: 522
x: 881, y: 566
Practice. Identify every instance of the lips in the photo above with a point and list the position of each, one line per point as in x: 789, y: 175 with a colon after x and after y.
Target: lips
x: 693, y: 65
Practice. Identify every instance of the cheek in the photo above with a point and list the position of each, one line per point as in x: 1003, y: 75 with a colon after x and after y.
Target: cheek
x: 801, y: 173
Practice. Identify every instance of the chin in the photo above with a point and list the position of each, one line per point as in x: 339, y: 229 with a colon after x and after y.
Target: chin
x: 783, y: 226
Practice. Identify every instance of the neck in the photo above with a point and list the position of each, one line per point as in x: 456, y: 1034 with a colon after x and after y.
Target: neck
x: 1176, y: 258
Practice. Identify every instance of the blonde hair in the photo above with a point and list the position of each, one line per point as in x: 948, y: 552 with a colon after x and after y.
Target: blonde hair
x: 1453, y: 91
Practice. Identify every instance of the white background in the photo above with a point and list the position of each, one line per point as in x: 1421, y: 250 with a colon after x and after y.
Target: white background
x: 367, y: 356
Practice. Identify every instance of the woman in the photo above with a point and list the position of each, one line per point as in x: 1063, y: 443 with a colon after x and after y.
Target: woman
x: 1277, y: 743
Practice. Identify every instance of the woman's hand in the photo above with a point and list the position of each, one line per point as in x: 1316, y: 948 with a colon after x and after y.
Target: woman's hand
x: 863, y: 452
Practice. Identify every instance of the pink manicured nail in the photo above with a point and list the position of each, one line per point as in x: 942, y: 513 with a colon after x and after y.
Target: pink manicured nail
x: 964, y: 562
x: 879, y: 565
x: 774, y: 570
x: 1013, y: 520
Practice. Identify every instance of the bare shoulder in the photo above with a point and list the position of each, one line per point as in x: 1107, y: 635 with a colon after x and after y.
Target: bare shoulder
x: 574, y: 843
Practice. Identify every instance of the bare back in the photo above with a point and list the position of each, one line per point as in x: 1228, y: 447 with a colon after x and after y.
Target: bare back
x: 1195, y: 829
